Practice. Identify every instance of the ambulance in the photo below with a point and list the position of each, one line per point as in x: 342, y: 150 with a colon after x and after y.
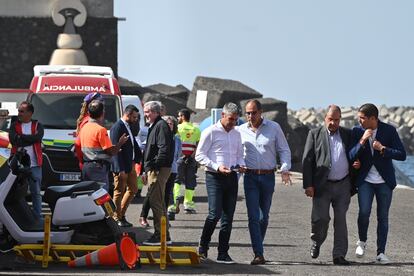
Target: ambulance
x: 57, y: 93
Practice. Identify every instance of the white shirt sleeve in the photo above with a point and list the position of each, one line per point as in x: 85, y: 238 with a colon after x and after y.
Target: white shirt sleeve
x: 204, y: 146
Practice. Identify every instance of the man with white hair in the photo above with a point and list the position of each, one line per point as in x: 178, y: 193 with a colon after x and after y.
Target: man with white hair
x: 220, y: 151
x: 158, y: 157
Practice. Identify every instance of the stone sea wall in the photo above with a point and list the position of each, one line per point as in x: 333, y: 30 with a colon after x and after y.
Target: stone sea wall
x: 401, y: 117
x: 295, y: 124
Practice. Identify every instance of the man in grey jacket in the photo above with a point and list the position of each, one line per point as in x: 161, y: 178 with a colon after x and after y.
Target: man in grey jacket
x: 326, y: 179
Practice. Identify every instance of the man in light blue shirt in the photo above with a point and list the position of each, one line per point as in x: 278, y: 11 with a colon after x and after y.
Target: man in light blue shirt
x: 262, y: 140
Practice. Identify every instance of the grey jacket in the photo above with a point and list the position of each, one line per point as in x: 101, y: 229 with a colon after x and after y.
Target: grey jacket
x: 316, y: 159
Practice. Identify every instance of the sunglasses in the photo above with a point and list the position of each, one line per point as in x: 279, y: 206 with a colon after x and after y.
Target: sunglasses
x: 252, y: 113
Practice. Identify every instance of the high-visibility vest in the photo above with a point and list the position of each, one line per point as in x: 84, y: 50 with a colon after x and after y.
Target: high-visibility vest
x: 37, y: 147
x: 189, y: 135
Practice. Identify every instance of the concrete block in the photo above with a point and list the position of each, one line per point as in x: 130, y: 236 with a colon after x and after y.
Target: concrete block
x: 220, y: 91
x: 179, y: 91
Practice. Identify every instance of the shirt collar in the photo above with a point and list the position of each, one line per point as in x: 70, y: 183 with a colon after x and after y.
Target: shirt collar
x: 332, y: 133
x: 264, y: 122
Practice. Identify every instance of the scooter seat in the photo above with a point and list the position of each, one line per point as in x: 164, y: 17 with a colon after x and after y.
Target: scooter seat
x: 53, y: 193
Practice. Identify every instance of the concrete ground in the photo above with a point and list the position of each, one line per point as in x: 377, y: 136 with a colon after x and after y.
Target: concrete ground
x: 287, y: 241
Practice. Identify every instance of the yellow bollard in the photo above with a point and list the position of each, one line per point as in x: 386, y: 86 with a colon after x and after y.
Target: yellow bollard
x: 46, y: 242
x: 163, y: 249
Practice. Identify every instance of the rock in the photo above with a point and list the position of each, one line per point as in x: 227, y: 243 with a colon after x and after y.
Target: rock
x: 400, y: 110
x: 173, y: 104
x: 277, y: 116
x: 273, y: 109
x: 200, y: 116
x: 179, y: 91
x: 411, y: 123
x: 220, y: 91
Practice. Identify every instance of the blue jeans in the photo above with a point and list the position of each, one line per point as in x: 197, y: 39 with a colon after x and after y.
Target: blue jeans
x: 258, y: 190
x: 383, y: 195
x: 222, y: 196
x: 34, y: 187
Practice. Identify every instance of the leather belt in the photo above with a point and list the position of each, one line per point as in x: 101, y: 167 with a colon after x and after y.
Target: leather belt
x: 260, y: 171
x: 102, y: 162
x: 337, y: 180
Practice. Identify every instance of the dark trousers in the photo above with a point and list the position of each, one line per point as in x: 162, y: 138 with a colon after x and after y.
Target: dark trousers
x: 168, y: 195
x: 187, y: 169
x: 96, y: 171
x: 339, y: 195
x: 222, y: 197
x: 383, y: 194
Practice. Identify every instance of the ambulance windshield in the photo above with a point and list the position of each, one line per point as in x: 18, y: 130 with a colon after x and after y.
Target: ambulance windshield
x: 56, y: 111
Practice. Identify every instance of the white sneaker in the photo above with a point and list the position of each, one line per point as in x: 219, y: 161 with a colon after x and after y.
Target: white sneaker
x: 360, y: 250
x: 382, y: 259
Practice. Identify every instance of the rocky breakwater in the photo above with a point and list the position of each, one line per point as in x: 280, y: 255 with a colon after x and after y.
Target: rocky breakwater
x: 295, y: 123
x: 219, y: 92
x: 401, y: 117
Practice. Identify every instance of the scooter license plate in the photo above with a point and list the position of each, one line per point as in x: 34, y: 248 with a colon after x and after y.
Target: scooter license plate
x: 108, y: 208
x: 70, y: 177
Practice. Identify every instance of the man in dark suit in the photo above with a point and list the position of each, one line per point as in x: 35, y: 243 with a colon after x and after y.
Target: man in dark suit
x: 326, y: 179
x: 123, y: 165
x: 375, y: 145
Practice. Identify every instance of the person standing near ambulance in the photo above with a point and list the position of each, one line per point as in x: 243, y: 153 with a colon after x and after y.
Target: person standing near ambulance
x: 187, y: 165
x: 123, y: 165
x: 82, y: 120
x: 28, y: 133
x: 97, y: 148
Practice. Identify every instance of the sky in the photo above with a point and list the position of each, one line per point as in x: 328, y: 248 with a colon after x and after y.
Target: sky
x: 307, y: 53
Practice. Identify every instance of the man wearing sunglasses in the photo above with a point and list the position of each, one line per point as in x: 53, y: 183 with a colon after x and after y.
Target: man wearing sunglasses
x: 28, y: 133
x: 262, y: 140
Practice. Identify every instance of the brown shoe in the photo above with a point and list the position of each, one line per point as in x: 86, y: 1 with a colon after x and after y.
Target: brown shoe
x: 258, y: 260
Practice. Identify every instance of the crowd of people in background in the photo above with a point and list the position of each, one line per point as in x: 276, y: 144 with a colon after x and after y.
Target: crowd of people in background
x: 337, y: 163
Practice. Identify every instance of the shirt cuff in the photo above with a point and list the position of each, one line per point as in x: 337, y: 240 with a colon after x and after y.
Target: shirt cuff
x: 215, y: 166
x: 284, y: 167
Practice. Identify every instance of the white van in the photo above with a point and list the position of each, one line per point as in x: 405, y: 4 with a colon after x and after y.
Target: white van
x: 143, y: 132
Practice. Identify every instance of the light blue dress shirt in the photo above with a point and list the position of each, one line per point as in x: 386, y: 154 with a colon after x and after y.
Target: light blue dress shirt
x: 339, y: 162
x: 261, y: 147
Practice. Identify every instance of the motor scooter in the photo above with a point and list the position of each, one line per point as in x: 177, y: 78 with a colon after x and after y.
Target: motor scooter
x: 81, y: 213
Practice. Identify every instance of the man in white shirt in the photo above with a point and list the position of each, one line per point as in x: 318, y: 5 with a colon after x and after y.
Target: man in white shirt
x: 262, y: 140
x: 220, y: 151
x: 376, y: 144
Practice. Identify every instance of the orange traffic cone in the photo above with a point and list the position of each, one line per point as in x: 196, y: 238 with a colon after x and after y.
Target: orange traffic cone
x: 109, y: 255
x: 4, y: 141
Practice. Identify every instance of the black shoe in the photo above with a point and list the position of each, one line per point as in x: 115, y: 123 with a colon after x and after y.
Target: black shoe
x: 124, y: 223
x: 155, y: 240
x: 340, y: 261
x: 6, y: 243
x: 202, y: 252
x: 224, y: 258
x: 171, y: 216
x: 190, y: 211
x: 314, y: 251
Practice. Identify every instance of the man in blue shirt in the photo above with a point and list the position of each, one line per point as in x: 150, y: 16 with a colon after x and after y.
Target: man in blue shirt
x: 262, y: 140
